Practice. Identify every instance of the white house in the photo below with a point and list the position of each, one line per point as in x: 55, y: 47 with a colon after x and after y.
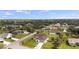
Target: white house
x: 1, y: 40
x: 73, y: 41
x: 64, y: 30
x: 4, y: 42
x: 6, y: 35
x: 25, y: 32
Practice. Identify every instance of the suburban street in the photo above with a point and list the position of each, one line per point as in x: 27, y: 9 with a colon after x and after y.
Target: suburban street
x: 17, y: 45
x: 19, y: 30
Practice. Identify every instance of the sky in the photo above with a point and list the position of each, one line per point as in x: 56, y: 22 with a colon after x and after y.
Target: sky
x: 39, y: 14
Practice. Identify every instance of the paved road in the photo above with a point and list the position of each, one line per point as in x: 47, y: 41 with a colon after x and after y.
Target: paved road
x: 17, y: 45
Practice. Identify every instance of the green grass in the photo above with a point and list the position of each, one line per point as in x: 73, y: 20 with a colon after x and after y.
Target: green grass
x: 53, y: 36
x: 76, y: 47
x: 65, y: 46
x: 30, y: 43
x: 47, y: 45
x: 45, y: 33
x: 2, y: 31
x: 1, y: 45
x: 9, y: 40
x: 19, y: 36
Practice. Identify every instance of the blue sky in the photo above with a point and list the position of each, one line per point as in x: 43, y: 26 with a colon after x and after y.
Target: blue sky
x: 39, y: 14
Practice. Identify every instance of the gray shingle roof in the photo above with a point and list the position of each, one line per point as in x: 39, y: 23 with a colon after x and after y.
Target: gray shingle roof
x: 4, y: 35
x: 73, y: 41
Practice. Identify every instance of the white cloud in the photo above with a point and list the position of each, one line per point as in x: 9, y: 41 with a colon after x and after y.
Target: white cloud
x: 19, y: 10
x: 75, y: 15
x: 23, y: 11
x: 67, y: 16
x: 8, y: 13
x: 44, y: 11
x: 27, y: 12
x: 4, y: 16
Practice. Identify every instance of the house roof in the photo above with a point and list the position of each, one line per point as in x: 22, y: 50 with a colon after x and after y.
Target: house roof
x: 17, y: 31
x: 58, y: 25
x: 11, y: 25
x: 40, y: 37
x: 4, y: 35
x: 77, y: 27
x: 73, y: 40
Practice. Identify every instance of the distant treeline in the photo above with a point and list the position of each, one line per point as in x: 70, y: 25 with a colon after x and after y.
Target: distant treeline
x: 39, y: 21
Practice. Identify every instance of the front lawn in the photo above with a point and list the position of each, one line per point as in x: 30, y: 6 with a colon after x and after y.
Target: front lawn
x: 47, y: 45
x: 1, y: 45
x: 44, y: 33
x: 19, y: 36
x: 9, y: 40
x: 30, y: 43
x: 65, y: 46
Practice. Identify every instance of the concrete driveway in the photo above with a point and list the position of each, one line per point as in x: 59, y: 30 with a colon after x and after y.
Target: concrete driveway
x: 39, y: 45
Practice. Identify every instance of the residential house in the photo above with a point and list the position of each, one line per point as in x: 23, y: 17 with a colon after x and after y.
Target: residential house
x: 65, y: 30
x: 40, y: 37
x: 4, y: 42
x: 29, y: 24
x: 20, y: 31
x: 6, y: 35
x: 1, y: 40
x: 76, y: 27
x: 25, y: 32
x: 64, y: 27
x: 55, y: 27
x: 17, y: 32
x: 73, y: 41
